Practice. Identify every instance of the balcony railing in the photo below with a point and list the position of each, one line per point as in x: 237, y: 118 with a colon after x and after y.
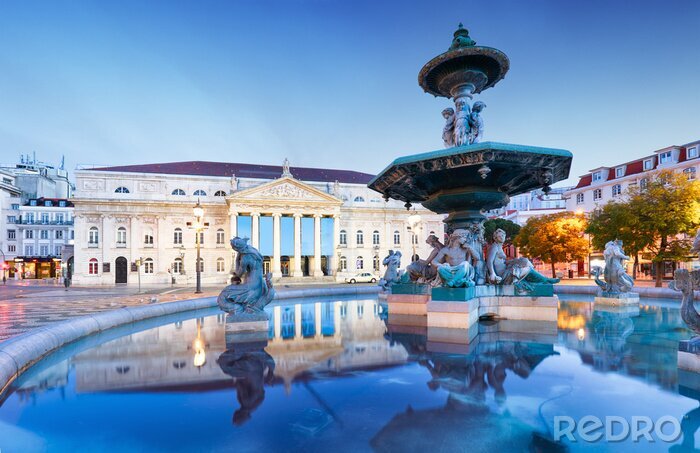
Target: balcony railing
x: 40, y: 222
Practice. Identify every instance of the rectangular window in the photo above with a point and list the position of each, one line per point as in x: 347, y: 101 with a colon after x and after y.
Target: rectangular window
x: 44, y: 234
x: 44, y: 250
x: 32, y: 202
x: 616, y: 190
x: 690, y: 173
x: 12, y: 248
x: 692, y: 152
x: 648, y: 164
x: 597, y: 176
x: 619, y: 172
x: 11, y: 219
x: 665, y: 157
x: 28, y: 234
x: 579, y: 198
x: 220, y: 237
x: 177, y: 236
x: 28, y: 250
x: 15, y: 206
x: 29, y: 217
x: 62, y: 204
x: 57, y: 250
x: 11, y: 234
x: 59, y: 218
x: 47, y: 203
x: 597, y: 194
x: 59, y: 234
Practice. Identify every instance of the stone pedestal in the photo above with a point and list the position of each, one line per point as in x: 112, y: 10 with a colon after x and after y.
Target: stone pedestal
x: 619, y: 299
x: 408, y: 299
x: 246, y: 327
x: 689, y: 355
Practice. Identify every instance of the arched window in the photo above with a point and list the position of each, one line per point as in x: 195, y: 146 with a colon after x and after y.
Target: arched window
x: 375, y: 237
x: 177, y: 266
x: 359, y: 199
x: 148, y: 266
x: 178, y: 192
x: 92, y: 266
x: 343, y: 237
x: 201, y: 265
x: 220, y: 265
x: 148, y: 238
x: 343, y: 264
x: 199, y: 193
x: 177, y: 236
x: 121, y: 237
x: 93, y: 236
x: 397, y: 237
x: 220, y: 193
x: 360, y: 263
x: 121, y: 189
x: 360, y: 237
x: 376, y: 263
x: 220, y: 236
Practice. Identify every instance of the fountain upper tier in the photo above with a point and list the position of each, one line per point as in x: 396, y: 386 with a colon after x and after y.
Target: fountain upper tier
x: 464, y: 69
x: 465, y: 180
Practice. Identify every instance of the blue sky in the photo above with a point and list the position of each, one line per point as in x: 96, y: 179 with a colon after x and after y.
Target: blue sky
x: 334, y: 84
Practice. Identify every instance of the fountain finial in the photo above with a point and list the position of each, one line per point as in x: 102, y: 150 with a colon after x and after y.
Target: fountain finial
x: 461, y: 38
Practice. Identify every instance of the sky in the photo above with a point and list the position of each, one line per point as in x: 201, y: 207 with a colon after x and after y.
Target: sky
x: 333, y: 84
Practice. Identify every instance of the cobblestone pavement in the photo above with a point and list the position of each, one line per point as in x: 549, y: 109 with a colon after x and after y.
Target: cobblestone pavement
x: 37, y: 305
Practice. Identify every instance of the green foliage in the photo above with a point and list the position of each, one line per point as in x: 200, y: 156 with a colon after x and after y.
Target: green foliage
x: 554, y: 238
x: 511, y: 228
x: 617, y: 220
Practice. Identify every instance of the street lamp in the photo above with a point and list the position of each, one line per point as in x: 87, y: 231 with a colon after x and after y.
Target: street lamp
x: 198, y: 225
x: 413, y: 222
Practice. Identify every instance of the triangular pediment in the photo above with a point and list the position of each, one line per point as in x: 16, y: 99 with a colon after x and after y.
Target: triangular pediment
x: 285, y: 189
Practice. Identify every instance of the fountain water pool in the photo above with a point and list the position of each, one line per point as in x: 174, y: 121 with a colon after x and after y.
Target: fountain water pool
x: 337, y: 374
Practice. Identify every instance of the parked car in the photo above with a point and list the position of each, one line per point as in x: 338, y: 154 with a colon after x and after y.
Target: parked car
x: 362, y: 277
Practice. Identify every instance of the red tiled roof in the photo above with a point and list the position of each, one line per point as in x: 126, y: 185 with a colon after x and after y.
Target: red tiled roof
x: 584, y: 181
x: 201, y: 168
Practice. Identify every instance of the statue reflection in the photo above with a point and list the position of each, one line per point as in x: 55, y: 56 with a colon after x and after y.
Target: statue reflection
x: 467, y: 379
x: 251, y: 368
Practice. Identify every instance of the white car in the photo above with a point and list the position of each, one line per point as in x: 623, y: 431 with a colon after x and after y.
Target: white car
x: 362, y: 277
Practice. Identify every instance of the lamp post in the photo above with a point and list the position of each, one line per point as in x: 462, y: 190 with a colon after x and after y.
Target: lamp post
x: 4, y: 270
x: 198, y: 225
x: 413, y: 222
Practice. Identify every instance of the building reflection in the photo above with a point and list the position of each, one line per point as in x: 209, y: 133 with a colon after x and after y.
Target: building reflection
x: 640, y: 342
x: 304, y: 340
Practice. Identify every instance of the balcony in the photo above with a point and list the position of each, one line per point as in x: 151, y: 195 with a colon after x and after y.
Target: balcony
x: 40, y: 222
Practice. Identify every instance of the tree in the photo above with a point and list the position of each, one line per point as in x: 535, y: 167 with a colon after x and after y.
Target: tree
x: 511, y: 228
x: 616, y: 220
x: 554, y: 238
x: 665, y: 206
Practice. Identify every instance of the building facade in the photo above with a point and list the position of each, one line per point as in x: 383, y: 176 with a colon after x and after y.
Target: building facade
x: 42, y: 230
x: 605, y: 184
x: 309, y: 224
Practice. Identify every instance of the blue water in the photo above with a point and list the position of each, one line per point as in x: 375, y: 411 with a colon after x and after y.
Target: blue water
x: 344, y: 376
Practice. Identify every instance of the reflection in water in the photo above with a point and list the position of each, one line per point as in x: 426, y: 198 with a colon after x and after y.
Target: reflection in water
x: 349, y: 380
x: 250, y: 367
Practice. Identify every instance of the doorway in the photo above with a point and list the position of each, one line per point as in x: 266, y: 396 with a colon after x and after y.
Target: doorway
x: 120, y: 270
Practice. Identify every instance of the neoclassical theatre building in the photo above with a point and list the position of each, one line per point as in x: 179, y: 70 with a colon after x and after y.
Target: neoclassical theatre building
x: 308, y: 223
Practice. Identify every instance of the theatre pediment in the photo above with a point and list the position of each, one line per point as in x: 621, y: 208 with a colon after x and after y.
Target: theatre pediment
x: 284, y: 190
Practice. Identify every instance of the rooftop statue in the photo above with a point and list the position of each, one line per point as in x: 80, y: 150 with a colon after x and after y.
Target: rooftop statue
x: 392, y: 274
x: 286, y: 172
x: 234, y: 183
x: 251, y: 289
x: 423, y: 271
x: 616, y: 279
x: 454, y: 261
x: 519, y: 272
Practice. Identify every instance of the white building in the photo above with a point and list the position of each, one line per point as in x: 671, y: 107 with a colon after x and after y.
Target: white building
x: 604, y: 184
x: 9, y: 215
x: 44, y: 227
x: 309, y: 224
x: 532, y: 204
